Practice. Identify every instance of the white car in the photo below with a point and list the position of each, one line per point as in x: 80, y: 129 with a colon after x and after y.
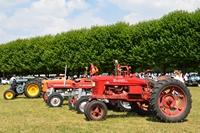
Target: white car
x: 5, y: 82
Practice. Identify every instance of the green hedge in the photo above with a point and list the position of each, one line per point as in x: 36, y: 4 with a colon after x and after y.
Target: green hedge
x: 171, y: 42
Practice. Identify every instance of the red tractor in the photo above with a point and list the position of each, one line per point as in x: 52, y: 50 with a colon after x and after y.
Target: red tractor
x: 77, y: 92
x: 83, y: 88
x: 168, y: 99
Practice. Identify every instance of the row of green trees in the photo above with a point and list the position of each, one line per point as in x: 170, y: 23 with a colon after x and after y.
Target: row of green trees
x: 171, y: 42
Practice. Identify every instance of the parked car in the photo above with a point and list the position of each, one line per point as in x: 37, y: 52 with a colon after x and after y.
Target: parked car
x: 5, y: 82
x: 193, y: 80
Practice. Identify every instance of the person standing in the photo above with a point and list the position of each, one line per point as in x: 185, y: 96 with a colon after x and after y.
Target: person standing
x: 177, y: 75
x: 13, y: 81
x: 93, y: 70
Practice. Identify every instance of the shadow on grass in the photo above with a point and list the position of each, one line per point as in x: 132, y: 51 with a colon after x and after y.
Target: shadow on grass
x: 117, y: 116
x: 154, y: 119
x: 128, y: 114
x: 150, y: 118
x: 22, y: 96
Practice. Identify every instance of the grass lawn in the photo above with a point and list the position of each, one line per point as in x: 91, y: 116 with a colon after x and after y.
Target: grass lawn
x: 23, y: 115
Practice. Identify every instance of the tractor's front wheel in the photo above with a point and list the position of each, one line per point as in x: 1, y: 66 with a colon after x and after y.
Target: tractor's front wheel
x: 9, y: 94
x: 32, y: 89
x: 95, y: 110
x: 171, y: 100
x: 55, y: 100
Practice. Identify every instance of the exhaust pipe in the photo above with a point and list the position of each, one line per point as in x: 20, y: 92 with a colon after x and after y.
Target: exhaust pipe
x: 65, y: 76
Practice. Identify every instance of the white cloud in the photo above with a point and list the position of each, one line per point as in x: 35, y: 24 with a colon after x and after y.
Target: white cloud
x: 29, y: 18
x: 133, y: 5
x: 59, y: 8
x: 131, y: 18
x: 2, y: 17
x: 77, y: 4
x: 153, y: 9
x: 4, y: 36
x: 42, y: 14
x: 101, y: 3
x: 86, y: 19
x: 13, y: 3
x: 43, y: 17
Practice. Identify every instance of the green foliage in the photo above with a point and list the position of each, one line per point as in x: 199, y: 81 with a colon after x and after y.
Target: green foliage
x: 171, y: 42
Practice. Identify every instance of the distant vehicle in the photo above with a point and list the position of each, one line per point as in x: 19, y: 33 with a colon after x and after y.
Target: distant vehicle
x: 5, y: 82
x: 193, y: 79
x: 193, y: 73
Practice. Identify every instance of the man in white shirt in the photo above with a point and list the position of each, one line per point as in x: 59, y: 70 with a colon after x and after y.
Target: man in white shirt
x: 13, y: 81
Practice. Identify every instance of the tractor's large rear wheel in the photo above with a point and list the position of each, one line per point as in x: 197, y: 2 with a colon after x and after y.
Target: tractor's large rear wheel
x: 32, y: 89
x: 9, y: 94
x: 171, y: 100
x: 95, y: 110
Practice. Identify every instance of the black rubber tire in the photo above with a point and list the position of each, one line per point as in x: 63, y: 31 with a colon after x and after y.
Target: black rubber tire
x: 80, y: 104
x: 152, y: 83
x: 156, y: 94
x: 92, y: 106
x: 123, y: 107
x: 34, y: 83
x: 139, y: 110
x: 40, y: 79
x: 55, y: 96
x: 85, y: 110
x: 13, y: 94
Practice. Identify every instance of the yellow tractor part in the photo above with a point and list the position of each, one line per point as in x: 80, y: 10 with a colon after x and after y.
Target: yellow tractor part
x: 9, y: 95
x: 33, y: 90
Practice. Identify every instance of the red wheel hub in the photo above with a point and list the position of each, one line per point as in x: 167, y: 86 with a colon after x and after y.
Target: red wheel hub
x: 96, y: 111
x: 169, y: 101
x: 172, y: 101
x: 55, y: 100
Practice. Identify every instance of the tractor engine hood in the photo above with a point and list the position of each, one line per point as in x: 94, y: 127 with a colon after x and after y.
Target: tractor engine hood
x: 119, y: 80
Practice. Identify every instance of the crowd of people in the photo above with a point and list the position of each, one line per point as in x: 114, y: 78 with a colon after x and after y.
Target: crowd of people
x: 177, y: 74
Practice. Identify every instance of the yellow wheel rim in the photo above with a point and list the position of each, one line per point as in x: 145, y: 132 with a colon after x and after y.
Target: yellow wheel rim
x: 9, y: 95
x: 33, y: 90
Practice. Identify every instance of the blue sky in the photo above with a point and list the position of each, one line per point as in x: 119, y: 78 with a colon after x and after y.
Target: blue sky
x: 30, y: 18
